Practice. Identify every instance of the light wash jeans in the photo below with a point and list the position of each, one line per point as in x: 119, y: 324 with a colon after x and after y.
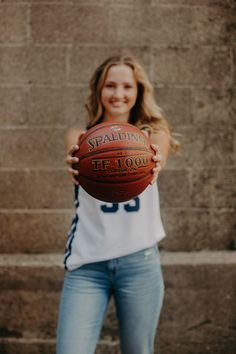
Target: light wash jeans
x: 136, y: 283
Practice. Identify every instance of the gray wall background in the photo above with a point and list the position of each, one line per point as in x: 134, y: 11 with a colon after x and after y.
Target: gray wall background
x: 48, y: 51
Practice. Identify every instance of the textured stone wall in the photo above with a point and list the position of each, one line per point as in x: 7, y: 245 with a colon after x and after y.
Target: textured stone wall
x: 48, y: 50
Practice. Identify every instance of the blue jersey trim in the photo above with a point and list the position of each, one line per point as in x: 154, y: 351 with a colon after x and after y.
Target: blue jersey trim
x: 73, y: 227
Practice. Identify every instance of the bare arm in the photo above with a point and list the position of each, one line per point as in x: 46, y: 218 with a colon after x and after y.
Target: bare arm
x: 71, y: 137
x: 162, y: 140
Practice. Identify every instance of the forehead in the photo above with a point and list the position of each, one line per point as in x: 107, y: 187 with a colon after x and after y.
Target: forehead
x: 120, y: 72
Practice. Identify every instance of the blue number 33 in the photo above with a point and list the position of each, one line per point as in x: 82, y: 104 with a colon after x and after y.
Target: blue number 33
x: 132, y: 206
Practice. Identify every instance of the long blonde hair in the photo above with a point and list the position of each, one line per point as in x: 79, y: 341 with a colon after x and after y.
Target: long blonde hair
x: 145, y: 114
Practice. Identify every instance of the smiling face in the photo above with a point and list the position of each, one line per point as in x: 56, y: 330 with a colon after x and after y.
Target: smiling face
x: 119, y: 93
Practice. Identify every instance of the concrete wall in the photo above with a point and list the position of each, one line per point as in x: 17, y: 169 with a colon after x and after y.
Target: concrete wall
x: 48, y: 50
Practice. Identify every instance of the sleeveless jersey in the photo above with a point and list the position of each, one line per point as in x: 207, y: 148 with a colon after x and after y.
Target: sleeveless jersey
x: 102, y: 231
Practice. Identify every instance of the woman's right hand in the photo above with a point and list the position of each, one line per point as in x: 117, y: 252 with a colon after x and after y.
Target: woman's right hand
x: 70, y: 160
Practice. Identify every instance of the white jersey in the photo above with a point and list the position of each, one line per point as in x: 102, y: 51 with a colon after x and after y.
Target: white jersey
x: 102, y: 231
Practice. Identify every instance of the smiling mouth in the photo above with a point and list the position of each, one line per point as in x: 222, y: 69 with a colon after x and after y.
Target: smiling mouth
x: 117, y: 103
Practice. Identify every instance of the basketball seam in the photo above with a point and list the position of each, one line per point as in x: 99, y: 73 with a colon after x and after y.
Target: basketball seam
x: 116, y: 182
x: 112, y: 149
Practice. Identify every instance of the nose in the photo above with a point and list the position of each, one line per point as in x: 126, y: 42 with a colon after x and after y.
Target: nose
x: 118, y: 93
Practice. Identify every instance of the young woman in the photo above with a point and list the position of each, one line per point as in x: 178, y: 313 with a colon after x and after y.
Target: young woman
x: 112, y: 248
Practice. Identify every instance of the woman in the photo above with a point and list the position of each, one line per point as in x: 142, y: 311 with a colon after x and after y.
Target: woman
x: 112, y: 248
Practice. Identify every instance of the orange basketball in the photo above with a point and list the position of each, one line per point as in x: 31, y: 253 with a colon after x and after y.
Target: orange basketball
x: 115, y: 162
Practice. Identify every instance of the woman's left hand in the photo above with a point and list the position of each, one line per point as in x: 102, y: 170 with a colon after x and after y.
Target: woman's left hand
x: 156, y: 158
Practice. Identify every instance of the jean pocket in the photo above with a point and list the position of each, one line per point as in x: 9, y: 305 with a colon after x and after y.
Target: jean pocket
x: 151, y: 251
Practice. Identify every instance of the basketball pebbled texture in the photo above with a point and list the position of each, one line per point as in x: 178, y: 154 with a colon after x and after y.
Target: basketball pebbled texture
x: 115, y: 162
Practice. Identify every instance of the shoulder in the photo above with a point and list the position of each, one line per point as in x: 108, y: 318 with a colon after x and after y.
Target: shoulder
x: 74, y: 131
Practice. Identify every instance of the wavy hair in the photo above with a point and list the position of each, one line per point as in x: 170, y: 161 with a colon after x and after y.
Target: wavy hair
x: 145, y: 114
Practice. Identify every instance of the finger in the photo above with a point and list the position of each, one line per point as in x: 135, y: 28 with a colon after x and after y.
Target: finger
x: 154, y: 179
x: 72, y: 149
x: 75, y: 181
x: 155, y: 170
x: 155, y: 147
x: 71, y: 160
x: 73, y: 172
x: 157, y: 157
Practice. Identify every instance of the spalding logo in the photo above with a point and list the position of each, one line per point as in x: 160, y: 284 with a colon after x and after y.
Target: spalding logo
x: 99, y: 140
x: 115, y: 128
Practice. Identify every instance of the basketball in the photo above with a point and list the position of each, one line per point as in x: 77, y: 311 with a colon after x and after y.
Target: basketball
x: 115, y: 162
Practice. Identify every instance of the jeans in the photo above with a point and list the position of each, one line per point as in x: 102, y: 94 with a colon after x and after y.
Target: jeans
x: 136, y: 283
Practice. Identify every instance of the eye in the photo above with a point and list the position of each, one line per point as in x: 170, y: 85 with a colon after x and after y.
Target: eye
x: 128, y: 86
x: 109, y: 85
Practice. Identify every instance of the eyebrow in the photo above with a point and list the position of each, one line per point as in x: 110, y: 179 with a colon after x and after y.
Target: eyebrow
x: 114, y: 82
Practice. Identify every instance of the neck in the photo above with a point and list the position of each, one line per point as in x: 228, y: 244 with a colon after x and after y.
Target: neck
x: 117, y: 118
